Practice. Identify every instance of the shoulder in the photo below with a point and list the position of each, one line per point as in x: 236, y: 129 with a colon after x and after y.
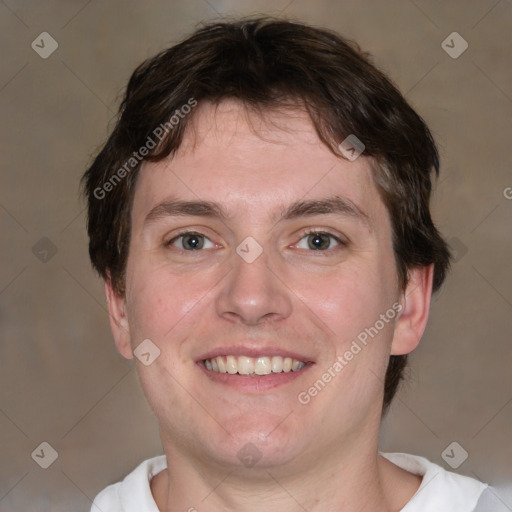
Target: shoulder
x: 439, y: 489
x: 133, y: 493
x: 490, y: 501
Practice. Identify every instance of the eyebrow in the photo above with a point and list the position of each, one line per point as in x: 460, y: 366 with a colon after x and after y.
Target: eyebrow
x: 336, y: 205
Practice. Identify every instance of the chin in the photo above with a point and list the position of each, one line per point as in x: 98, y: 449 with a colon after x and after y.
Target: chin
x: 264, y: 445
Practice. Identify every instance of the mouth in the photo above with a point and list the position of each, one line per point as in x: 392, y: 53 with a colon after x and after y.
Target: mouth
x: 253, y: 374
x: 250, y: 366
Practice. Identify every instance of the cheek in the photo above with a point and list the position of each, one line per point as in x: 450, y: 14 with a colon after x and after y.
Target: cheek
x: 161, y: 300
x: 346, y: 301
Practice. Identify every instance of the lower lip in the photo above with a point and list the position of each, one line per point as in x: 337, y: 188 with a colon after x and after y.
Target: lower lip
x: 255, y: 383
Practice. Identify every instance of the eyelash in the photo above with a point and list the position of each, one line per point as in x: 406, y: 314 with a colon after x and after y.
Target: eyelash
x: 342, y: 243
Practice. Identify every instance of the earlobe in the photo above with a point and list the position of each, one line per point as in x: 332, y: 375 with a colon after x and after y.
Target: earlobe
x: 413, y: 316
x: 118, y: 319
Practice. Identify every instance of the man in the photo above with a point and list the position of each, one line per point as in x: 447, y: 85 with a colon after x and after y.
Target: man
x: 260, y: 216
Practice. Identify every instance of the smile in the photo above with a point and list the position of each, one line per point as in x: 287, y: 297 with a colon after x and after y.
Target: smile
x: 245, y: 365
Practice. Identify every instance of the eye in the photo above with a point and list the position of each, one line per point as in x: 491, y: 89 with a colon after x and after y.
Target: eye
x: 319, y: 241
x: 191, y: 241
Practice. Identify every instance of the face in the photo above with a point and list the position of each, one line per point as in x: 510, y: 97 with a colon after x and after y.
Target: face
x: 254, y: 249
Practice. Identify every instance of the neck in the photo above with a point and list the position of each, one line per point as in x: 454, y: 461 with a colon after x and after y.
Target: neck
x: 360, y: 480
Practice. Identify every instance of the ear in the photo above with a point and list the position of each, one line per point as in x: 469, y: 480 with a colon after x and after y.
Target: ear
x: 412, y: 319
x: 118, y: 319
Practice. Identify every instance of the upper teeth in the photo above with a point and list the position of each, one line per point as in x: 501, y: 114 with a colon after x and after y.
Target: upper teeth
x: 249, y: 365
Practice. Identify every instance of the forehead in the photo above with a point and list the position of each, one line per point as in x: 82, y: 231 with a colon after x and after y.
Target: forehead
x: 255, y: 163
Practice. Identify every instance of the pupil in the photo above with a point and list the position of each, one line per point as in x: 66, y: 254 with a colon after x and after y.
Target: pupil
x: 317, y: 242
x: 194, y: 242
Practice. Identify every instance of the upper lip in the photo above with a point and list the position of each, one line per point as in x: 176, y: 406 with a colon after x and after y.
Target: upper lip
x: 240, y: 350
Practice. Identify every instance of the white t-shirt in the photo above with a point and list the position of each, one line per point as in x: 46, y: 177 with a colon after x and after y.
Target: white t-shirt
x: 440, y: 490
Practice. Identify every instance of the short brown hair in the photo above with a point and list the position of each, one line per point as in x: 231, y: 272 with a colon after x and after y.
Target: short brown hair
x: 270, y: 63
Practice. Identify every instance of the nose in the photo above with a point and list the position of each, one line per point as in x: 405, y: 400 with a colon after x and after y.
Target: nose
x: 253, y: 293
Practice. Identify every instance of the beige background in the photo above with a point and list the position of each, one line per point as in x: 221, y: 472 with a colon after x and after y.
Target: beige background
x: 62, y: 381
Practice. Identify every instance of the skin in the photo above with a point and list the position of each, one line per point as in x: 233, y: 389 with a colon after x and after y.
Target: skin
x: 319, y: 456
